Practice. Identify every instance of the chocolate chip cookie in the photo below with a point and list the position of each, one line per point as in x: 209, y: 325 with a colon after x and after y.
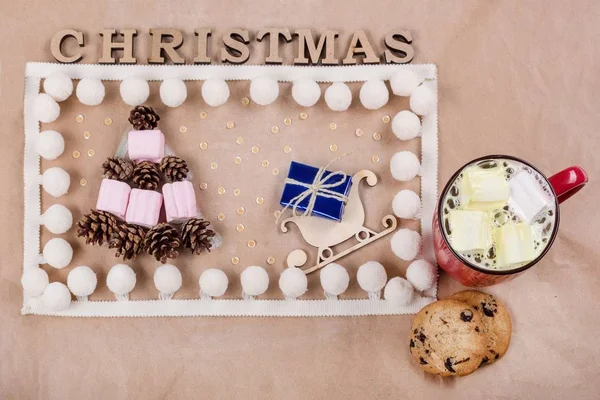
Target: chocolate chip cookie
x: 496, y: 322
x: 447, y: 338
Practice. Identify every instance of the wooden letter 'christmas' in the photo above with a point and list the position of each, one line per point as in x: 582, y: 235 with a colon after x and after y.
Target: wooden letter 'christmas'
x: 202, y: 56
x: 274, y: 35
x: 399, y: 49
x: 359, y: 45
x: 236, y: 49
x: 108, y: 46
x: 315, y: 51
x: 57, y: 42
x: 168, y: 48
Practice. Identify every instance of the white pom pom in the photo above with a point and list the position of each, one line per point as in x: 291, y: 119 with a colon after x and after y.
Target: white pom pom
x: 255, y: 281
x: 59, y: 86
x: 50, y: 145
x: 371, y: 276
x: 57, y: 253
x: 422, y: 274
x: 406, y: 125
x: 57, y: 219
x: 167, y: 279
x: 264, y: 91
x: 338, y: 96
x: 334, y: 279
x: 374, y: 94
x: 173, y: 92
x: 82, y: 281
x: 45, y: 108
x: 399, y: 291
x: 406, y: 244
x: 34, y: 281
x: 90, y: 91
x: 293, y: 282
x: 213, y: 282
x: 306, y: 92
x: 56, y: 297
x: 422, y: 100
x: 404, y: 166
x: 134, y: 90
x: 404, y: 82
x: 56, y: 181
x: 215, y: 92
x: 121, y: 280
x: 407, y: 204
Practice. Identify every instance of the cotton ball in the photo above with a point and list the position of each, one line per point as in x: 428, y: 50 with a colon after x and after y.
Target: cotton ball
x: 121, y: 279
x: 404, y: 166
x: 45, y: 108
x: 306, y: 92
x: 374, y: 94
x: 422, y: 274
x: 255, y: 280
x: 34, y: 281
x: 50, y: 145
x: 407, y: 204
x: 399, y: 291
x: 338, y: 96
x: 134, y: 90
x: 371, y: 276
x: 404, y: 82
x: 57, y: 253
x: 59, y: 86
x: 406, y: 243
x: 90, y: 91
x: 167, y: 279
x: 82, y: 281
x: 334, y: 279
x: 406, y: 125
x: 57, y: 219
x: 422, y: 100
x: 173, y: 92
x: 56, y: 181
x: 264, y: 91
x: 213, y: 282
x: 293, y: 282
x: 215, y: 92
x: 56, y: 296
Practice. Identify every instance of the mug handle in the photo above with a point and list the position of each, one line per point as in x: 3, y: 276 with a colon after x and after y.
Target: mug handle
x: 568, y: 182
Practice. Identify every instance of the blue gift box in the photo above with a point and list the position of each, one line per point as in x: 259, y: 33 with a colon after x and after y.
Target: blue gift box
x: 325, y: 206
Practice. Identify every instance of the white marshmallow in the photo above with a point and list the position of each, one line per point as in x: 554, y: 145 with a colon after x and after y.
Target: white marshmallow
x: 527, y: 197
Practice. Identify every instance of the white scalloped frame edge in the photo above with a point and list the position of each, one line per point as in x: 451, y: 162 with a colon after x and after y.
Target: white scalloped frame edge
x: 35, y: 72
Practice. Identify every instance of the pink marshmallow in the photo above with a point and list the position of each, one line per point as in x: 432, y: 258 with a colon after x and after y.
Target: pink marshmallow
x: 146, y: 145
x: 113, y: 197
x: 180, y: 200
x: 144, y: 207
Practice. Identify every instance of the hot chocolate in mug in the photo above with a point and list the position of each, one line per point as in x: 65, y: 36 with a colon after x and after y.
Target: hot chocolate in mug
x: 483, y: 268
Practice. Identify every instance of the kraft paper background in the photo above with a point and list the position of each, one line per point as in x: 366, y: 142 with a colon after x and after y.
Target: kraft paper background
x: 514, y: 77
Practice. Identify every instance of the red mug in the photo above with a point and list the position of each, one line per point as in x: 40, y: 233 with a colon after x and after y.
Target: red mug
x: 563, y: 184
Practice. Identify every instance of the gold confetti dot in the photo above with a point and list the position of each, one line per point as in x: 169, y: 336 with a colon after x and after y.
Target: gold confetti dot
x: 255, y: 149
x: 333, y: 147
x: 240, y: 140
x: 230, y: 124
x: 237, y: 192
x: 79, y: 118
x: 235, y: 260
x: 277, y: 214
x: 377, y: 136
x: 213, y: 165
x: 275, y: 171
x: 274, y: 129
x: 303, y: 115
x: 203, y: 185
x: 76, y: 154
x: 239, y: 227
x: 203, y: 145
x: 221, y: 217
x: 265, y: 163
x: 260, y: 200
x: 87, y: 135
x: 241, y: 210
x: 83, y: 182
x: 287, y: 121
x: 245, y: 101
x: 375, y: 159
x: 385, y: 119
x: 287, y: 149
x: 333, y: 126
x: 183, y: 129
x: 251, y: 243
x: 107, y: 121
x: 91, y: 153
x: 203, y: 114
x: 237, y: 160
x: 270, y: 260
x: 221, y: 190
x: 359, y: 132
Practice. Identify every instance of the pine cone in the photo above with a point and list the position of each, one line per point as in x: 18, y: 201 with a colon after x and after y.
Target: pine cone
x: 143, y: 118
x: 118, y: 168
x: 96, y: 227
x: 128, y: 239
x: 162, y: 242
x: 146, y: 175
x: 196, y: 234
x: 174, y: 168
